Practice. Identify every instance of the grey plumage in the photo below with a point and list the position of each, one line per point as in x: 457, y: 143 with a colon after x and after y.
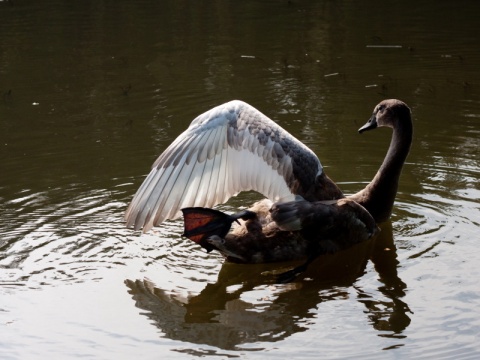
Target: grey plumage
x: 228, y: 149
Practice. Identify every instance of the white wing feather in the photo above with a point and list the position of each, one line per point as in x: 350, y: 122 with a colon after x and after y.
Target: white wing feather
x: 229, y: 149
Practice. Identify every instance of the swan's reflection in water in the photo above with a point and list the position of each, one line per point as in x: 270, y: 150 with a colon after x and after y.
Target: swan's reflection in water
x: 235, y: 309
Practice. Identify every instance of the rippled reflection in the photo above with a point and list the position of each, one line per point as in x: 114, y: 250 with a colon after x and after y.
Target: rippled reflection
x: 242, y: 307
x: 69, y: 239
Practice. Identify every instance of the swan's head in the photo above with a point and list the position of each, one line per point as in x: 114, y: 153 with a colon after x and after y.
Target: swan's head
x: 387, y: 113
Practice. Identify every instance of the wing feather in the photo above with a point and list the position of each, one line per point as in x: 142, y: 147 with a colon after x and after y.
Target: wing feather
x: 230, y: 148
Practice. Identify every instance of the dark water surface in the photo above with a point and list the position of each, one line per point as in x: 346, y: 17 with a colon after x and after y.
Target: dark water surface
x: 92, y: 91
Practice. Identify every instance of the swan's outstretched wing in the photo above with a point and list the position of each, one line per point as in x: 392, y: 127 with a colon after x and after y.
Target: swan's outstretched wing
x: 230, y: 148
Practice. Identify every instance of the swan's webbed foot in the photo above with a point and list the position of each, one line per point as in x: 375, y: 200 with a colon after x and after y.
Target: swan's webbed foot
x: 290, y: 275
x: 202, y: 223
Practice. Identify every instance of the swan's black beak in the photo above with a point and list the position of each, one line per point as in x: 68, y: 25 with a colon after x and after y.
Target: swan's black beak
x: 370, y: 125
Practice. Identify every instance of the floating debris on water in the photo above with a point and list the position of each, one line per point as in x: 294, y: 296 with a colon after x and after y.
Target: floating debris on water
x: 385, y: 46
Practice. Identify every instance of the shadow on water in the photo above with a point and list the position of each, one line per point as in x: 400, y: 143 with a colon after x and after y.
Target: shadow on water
x: 244, y: 307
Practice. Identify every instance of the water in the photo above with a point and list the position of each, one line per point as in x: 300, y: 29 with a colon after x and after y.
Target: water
x: 91, y: 92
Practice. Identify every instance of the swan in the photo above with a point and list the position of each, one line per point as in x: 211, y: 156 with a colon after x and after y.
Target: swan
x: 234, y: 147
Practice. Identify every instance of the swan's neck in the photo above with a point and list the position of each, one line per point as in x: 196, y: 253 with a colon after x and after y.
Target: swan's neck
x: 379, y: 195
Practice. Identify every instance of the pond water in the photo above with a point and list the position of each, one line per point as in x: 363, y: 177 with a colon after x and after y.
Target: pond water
x: 93, y: 91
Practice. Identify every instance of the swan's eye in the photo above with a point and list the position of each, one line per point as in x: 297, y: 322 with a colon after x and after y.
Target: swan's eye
x: 380, y: 108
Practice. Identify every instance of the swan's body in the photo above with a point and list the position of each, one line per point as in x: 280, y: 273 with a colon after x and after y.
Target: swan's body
x: 234, y: 147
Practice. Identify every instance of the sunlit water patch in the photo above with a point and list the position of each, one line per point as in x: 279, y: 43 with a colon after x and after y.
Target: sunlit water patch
x: 206, y: 306
x: 63, y: 235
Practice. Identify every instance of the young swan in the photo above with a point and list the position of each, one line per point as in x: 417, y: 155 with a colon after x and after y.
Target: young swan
x: 307, y: 214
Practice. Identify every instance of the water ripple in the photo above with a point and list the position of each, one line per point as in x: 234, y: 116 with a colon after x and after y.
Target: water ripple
x: 65, y: 239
